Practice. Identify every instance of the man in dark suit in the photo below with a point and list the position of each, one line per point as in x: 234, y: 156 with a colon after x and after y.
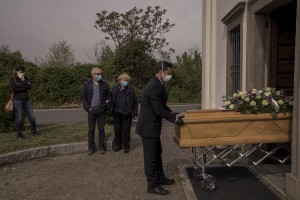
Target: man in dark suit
x: 153, y: 109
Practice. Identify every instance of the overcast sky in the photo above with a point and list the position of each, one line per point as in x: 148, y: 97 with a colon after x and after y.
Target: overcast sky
x: 32, y: 26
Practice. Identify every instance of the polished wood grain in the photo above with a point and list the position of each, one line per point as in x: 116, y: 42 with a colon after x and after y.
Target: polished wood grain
x: 222, y: 127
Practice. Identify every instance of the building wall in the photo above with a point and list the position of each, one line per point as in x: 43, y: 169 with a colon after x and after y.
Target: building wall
x: 292, y: 180
x: 255, y: 54
x: 254, y: 64
x: 214, y: 52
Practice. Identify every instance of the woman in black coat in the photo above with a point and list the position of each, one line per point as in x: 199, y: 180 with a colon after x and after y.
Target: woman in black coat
x: 124, y: 108
x: 19, y: 86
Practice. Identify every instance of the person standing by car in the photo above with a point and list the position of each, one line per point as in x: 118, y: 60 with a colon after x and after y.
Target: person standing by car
x: 124, y: 108
x: 153, y: 110
x: 19, y: 86
x: 96, y: 100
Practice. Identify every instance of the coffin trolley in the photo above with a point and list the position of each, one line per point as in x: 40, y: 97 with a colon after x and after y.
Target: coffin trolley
x: 229, y: 137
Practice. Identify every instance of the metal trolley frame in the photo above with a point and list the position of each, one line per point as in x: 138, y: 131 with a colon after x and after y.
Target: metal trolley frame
x: 231, y: 154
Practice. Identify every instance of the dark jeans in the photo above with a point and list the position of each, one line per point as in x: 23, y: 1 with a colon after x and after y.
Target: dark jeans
x: 152, y: 161
x: 99, y: 117
x: 19, y: 107
x: 122, y: 125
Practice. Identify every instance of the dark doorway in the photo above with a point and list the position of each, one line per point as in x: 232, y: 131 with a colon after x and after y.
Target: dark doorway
x: 283, y: 29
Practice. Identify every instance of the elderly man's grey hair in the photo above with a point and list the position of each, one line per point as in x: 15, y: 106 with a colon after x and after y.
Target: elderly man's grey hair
x: 94, y: 69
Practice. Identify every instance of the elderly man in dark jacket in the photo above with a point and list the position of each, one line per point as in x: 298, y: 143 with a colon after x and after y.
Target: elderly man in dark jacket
x: 96, y: 100
x: 149, y: 124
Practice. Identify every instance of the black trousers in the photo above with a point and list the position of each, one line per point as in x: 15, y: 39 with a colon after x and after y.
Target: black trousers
x: 152, y: 161
x: 94, y: 117
x: 122, y: 125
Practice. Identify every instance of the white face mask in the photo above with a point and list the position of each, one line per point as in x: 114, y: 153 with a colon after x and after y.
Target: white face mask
x: 167, y: 78
x: 20, y: 75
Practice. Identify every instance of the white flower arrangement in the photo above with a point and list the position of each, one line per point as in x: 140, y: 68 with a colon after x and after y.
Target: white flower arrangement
x: 267, y: 100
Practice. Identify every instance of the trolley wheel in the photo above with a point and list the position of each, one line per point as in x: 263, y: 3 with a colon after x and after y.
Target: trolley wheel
x: 197, y: 174
x: 209, y: 183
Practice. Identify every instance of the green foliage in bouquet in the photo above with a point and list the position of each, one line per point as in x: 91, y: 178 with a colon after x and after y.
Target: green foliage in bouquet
x: 267, y: 100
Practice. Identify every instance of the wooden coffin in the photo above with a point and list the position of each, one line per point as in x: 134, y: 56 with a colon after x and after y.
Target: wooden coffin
x: 223, y: 127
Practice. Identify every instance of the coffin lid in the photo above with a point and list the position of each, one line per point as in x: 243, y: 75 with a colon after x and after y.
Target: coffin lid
x: 218, y: 115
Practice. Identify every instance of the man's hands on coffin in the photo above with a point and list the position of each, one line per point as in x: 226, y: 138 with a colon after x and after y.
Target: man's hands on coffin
x: 179, y: 120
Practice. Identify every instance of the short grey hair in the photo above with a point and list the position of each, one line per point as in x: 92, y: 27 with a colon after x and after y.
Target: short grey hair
x: 124, y: 75
x: 94, y: 69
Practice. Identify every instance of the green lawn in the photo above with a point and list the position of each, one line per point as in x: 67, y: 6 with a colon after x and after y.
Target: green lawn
x: 47, y: 135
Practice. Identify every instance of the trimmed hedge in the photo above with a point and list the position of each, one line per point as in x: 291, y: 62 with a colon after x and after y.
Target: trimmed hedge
x: 60, y: 86
x: 56, y: 86
x: 51, y: 87
x: 6, y: 118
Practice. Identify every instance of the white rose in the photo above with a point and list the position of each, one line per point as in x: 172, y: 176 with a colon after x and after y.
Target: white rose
x: 231, y: 106
x: 242, y: 93
x: 280, y: 102
x: 267, y: 89
x: 228, y: 103
x: 268, y: 93
x: 247, y: 99
x: 265, y: 103
x: 252, y: 103
x: 253, y: 91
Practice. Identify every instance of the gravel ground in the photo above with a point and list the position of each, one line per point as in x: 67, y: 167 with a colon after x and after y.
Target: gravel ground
x: 114, y: 175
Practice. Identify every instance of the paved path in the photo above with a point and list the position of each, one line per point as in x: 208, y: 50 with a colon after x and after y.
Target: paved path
x: 109, y: 176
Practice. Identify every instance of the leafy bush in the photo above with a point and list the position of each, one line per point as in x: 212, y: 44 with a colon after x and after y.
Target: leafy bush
x: 8, y: 61
x: 6, y: 118
x: 185, y: 86
x: 177, y: 94
x: 56, y: 86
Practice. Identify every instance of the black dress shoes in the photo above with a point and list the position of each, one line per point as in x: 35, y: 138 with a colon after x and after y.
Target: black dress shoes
x: 167, y: 181
x: 20, y: 136
x: 90, y: 152
x: 116, y: 149
x: 102, y: 151
x: 158, y: 190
